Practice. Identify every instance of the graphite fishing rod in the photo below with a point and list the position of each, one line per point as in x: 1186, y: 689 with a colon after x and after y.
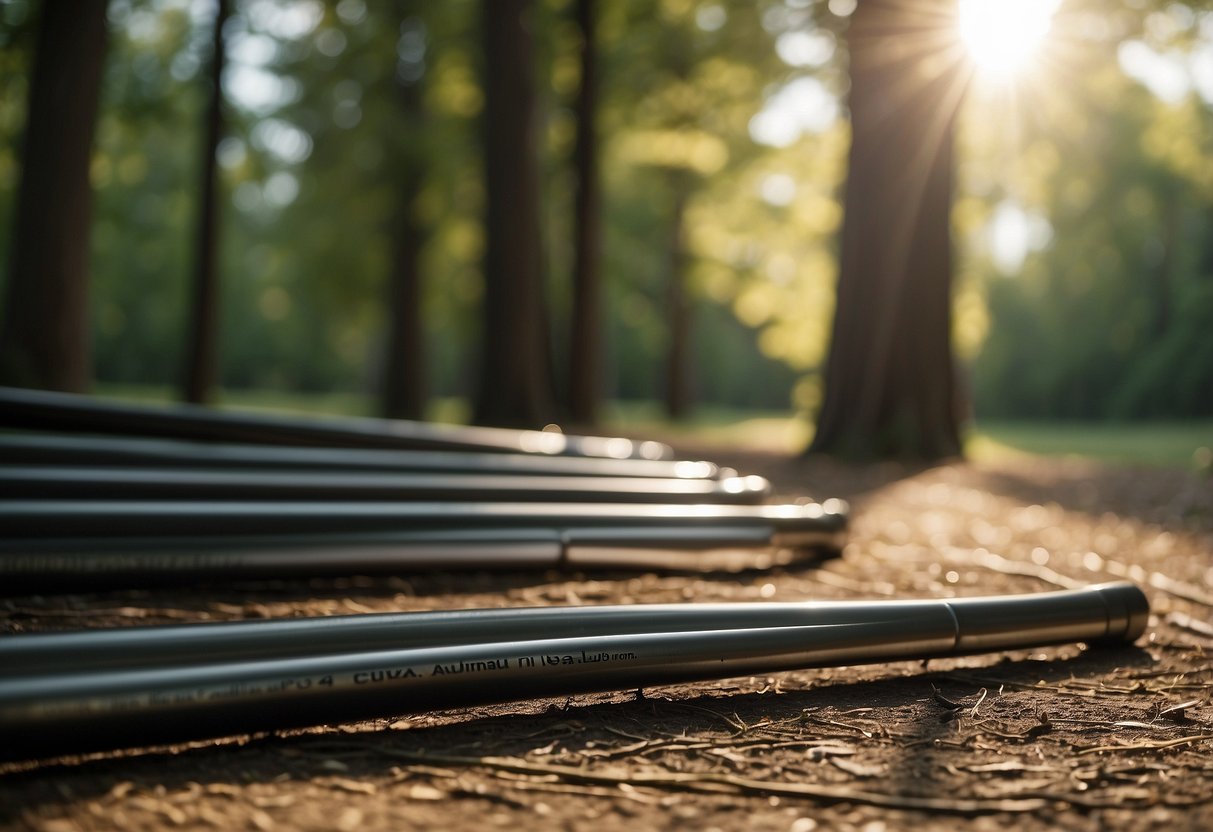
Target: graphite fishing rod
x: 63, y: 564
x: 84, y: 450
x: 41, y: 410
x: 694, y: 538
x: 59, y: 710
x: 129, y: 483
x: 128, y: 648
x: 31, y: 519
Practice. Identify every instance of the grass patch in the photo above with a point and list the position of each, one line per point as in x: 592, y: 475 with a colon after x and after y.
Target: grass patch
x: 1163, y: 444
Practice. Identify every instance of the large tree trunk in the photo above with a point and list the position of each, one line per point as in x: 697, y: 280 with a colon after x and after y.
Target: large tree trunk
x: 404, y: 379
x: 202, y: 348
x: 890, y: 383
x: 678, y: 312
x: 515, y: 373
x: 44, y: 337
x: 585, y: 357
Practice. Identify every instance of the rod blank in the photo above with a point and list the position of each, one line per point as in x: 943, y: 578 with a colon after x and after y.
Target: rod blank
x: 244, y: 685
x: 118, y: 518
x: 127, y: 483
x: 71, y: 449
x: 41, y: 410
x: 55, y: 563
x: 158, y: 542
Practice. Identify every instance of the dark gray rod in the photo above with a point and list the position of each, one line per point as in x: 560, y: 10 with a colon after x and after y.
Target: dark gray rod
x: 234, y: 641
x: 78, y: 450
x: 46, y: 714
x: 58, y: 564
x: 73, y: 482
x: 42, y: 410
x: 119, y: 518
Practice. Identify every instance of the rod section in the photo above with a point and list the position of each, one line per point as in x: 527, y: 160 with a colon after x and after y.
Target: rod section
x: 43, y: 410
x: 133, y: 483
x: 63, y: 564
x: 61, y: 709
x: 210, y: 518
x: 85, y: 450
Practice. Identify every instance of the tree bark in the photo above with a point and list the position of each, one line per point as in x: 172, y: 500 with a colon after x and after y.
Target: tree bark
x: 44, y: 336
x: 202, y: 348
x: 404, y: 380
x: 678, y: 313
x: 515, y: 386
x: 890, y: 380
x: 585, y: 356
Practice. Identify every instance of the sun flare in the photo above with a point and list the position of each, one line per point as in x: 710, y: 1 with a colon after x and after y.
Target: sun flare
x: 1003, y: 36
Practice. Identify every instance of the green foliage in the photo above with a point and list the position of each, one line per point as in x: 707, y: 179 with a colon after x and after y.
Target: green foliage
x: 145, y: 178
x: 1106, y: 318
x: 16, y: 53
x: 1108, y: 315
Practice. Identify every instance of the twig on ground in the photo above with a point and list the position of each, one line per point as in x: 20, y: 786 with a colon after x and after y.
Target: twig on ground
x: 1144, y: 746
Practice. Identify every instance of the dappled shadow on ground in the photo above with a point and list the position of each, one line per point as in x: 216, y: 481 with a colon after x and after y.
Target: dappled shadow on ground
x: 887, y: 728
x: 1172, y: 499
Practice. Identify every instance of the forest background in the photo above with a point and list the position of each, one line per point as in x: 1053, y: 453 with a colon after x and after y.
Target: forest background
x: 1081, y: 218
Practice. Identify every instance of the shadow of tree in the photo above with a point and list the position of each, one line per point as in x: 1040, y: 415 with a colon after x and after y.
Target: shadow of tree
x: 574, y: 727
x: 1172, y: 499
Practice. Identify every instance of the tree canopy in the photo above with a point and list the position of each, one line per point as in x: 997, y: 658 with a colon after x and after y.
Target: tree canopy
x: 1082, y: 218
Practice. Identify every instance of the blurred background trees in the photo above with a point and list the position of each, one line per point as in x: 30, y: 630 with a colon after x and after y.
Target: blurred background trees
x: 353, y: 177
x: 44, y: 333
x: 200, y: 372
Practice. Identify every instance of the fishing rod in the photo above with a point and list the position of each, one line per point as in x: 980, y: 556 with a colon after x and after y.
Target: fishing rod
x: 84, y: 450
x: 248, y: 640
x: 60, y: 564
x: 42, y: 410
x: 693, y: 539
x: 61, y: 709
x: 209, y: 518
x: 126, y: 483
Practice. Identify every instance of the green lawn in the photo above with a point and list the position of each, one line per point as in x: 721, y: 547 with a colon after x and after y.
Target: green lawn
x: 1171, y: 444
x: 1174, y: 444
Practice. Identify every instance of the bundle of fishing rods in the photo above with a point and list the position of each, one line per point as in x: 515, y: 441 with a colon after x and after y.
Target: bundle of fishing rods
x: 93, y: 490
x: 122, y: 492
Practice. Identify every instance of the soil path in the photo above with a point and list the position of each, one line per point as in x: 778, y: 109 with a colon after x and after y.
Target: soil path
x: 1063, y: 737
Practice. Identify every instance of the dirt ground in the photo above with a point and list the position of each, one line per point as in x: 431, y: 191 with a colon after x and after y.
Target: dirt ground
x: 1067, y: 737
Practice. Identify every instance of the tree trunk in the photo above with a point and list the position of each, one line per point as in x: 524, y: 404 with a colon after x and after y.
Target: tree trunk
x: 201, y: 350
x: 890, y: 385
x: 678, y: 314
x: 44, y: 337
x: 515, y: 375
x: 404, y: 381
x: 1160, y: 287
x: 585, y: 358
